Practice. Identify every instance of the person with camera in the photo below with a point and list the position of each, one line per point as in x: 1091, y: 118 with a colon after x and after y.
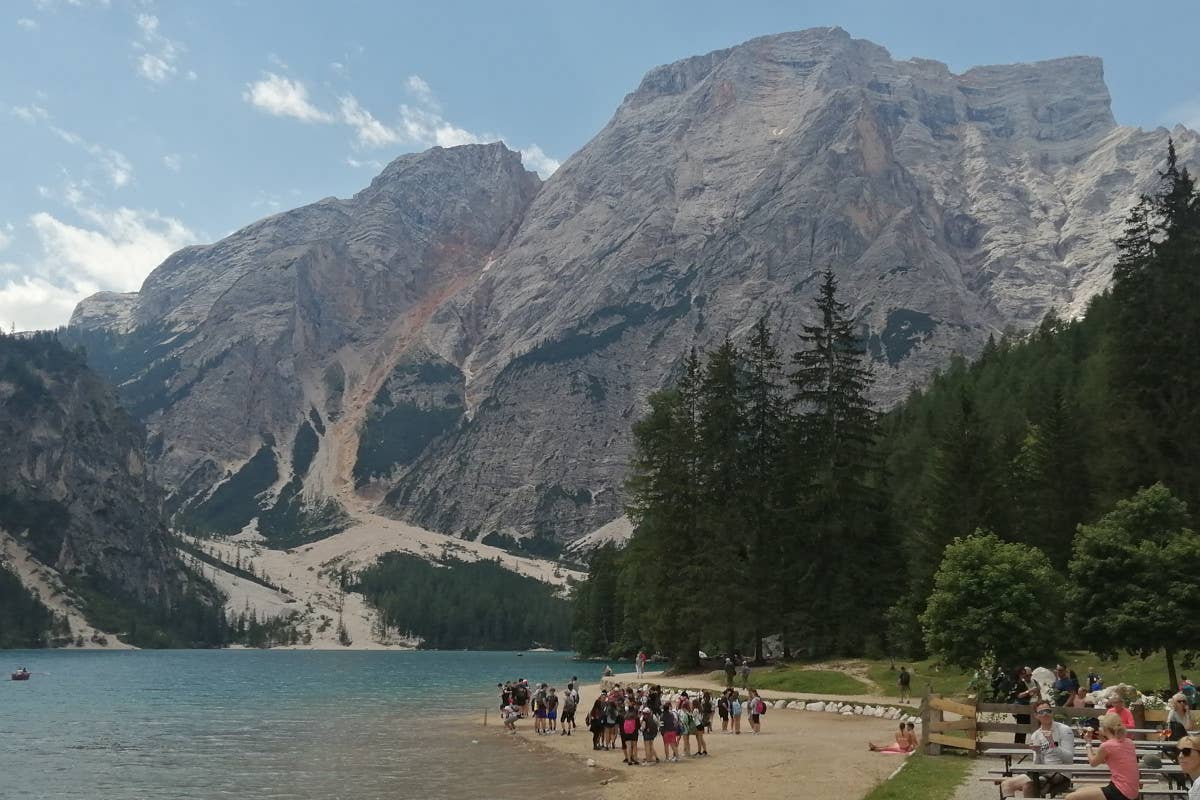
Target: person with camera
x: 1052, y: 743
x: 1117, y: 751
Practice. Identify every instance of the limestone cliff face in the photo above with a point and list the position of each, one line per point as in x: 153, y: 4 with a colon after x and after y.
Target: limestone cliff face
x: 73, y: 486
x: 471, y: 351
x: 256, y: 361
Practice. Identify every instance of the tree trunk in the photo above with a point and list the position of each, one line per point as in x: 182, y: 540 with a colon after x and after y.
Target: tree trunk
x: 758, y: 653
x: 1171, y: 670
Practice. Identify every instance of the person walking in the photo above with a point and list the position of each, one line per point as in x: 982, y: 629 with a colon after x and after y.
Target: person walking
x: 904, y: 681
x: 730, y: 671
x: 745, y: 673
x: 640, y: 663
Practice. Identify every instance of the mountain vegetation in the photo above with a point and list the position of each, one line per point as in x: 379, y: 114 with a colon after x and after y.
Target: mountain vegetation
x: 454, y: 604
x: 1071, y: 451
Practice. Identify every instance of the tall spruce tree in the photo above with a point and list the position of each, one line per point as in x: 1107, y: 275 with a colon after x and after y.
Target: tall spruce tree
x: 835, y: 430
x: 721, y: 564
x: 1156, y: 289
x: 766, y: 421
x: 663, y: 487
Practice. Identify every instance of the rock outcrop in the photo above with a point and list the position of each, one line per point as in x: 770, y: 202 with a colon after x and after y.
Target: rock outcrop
x: 469, y: 348
x: 73, y: 488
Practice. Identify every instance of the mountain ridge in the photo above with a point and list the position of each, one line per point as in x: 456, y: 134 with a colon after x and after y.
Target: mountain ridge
x: 494, y: 397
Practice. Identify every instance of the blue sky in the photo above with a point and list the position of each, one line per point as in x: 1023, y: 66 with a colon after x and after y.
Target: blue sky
x: 129, y: 128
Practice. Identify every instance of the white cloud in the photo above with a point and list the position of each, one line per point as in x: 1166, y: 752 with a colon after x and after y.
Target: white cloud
x: 338, y: 67
x: 372, y: 164
x: 33, y: 303
x: 421, y: 91
x: 30, y: 113
x: 159, y: 58
x: 369, y: 131
x: 539, y: 162
x: 108, y: 249
x: 115, y: 249
x: 5, y: 236
x: 27, y: 23
x: 281, y: 97
x: 173, y: 161
x: 114, y: 164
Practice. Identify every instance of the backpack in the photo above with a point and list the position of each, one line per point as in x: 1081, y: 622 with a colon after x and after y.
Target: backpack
x: 651, y: 725
x: 760, y: 706
x: 669, y: 722
x: 629, y: 725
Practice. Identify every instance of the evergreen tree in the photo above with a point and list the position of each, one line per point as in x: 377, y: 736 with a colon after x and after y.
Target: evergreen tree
x: 766, y: 422
x: 834, y: 435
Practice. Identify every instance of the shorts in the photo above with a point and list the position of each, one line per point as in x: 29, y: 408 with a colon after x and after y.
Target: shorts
x: 569, y: 716
x: 1111, y: 792
x: 670, y: 737
x: 628, y: 737
x: 551, y: 715
x: 649, y: 737
x: 540, y: 714
x: 754, y: 718
x: 724, y: 714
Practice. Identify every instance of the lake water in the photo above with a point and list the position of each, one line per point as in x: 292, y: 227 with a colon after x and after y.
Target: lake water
x: 277, y: 724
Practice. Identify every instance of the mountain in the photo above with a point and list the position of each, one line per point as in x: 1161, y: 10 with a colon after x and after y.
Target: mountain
x: 79, y: 521
x: 465, y: 348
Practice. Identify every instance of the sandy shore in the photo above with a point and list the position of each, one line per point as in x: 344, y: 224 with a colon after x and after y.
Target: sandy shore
x: 811, y: 755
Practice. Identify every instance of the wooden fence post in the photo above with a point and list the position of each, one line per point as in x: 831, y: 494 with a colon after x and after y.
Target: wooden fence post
x: 929, y: 715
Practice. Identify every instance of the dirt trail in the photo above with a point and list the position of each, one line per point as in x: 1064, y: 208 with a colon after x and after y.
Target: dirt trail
x: 702, y: 682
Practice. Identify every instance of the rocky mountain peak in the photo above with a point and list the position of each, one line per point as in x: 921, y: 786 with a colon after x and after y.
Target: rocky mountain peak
x: 467, y: 347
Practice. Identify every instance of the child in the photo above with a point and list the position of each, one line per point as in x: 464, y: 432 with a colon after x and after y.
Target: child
x: 649, y: 732
x: 568, y: 712
x: 670, y: 733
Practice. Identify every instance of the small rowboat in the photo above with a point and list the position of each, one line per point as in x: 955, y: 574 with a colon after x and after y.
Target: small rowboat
x: 21, y: 676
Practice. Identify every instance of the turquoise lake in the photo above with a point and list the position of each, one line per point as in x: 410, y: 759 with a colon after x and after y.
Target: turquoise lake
x: 252, y: 724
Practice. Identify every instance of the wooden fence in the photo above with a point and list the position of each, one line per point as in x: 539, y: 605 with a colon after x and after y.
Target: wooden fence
x: 971, y: 723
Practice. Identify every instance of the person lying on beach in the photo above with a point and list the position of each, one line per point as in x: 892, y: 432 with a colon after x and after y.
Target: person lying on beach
x: 901, y: 745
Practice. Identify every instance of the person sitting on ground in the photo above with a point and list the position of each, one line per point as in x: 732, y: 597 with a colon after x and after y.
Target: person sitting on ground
x: 1078, y: 698
x: 511, y: 714
x: 1118, y: 752
x: 901, y: 745
x: 1062, y: 688
x: 1189, y: 761
x: 1052, y: 743
x: 910, y: 731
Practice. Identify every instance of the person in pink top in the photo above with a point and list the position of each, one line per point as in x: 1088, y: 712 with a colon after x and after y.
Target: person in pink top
x: 1116, y: 705
x: 1119, y: 754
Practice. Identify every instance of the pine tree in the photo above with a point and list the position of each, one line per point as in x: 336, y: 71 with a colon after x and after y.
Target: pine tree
x: 1156, y: 289
x: 835, y: 432
x: 766, y: 421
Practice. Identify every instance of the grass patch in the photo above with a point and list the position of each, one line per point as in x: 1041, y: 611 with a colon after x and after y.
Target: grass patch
x: 790, y: 678
x: 927, y: 777
x: 948, y: 681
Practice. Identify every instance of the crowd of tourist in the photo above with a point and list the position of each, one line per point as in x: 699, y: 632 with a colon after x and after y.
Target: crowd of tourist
x: 637, y: 717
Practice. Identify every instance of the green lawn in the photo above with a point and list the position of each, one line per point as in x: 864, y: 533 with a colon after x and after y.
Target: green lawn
x: 793, y: 678
x: 926, y: 777
x: 948, y: 681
